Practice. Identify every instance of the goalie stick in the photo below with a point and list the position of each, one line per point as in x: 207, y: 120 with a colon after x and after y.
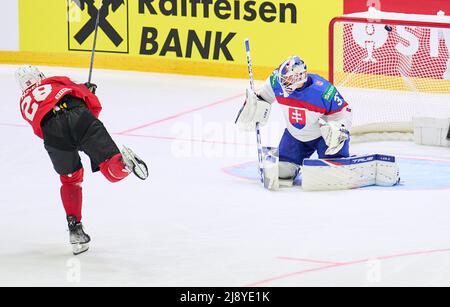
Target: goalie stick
x: 258, y: 132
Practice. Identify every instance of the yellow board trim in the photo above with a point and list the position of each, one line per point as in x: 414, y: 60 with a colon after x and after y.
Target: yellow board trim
x: 138, y: 63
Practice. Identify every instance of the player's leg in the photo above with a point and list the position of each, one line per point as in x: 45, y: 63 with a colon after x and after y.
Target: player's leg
x: 292, y: 152
x: 72, y: 197
x: 92, y: 138
x: 67, y: 163
x: 114, y: 169
x: 97, y: 143
x: 71, y: 194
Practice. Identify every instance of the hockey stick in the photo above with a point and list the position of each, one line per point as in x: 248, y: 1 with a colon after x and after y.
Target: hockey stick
x: 97, y: 21
x: 258, y: 132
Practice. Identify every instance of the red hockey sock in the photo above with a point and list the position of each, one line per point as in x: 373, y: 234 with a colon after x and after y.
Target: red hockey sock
x: 71, y: 193
x: 114, y: 169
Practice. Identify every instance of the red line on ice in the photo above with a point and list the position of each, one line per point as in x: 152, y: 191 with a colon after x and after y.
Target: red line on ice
x: 172, y: 138
x: 311, y: 260
x: 14, y: 125
x: 342, y: 264
x: 181, y: 114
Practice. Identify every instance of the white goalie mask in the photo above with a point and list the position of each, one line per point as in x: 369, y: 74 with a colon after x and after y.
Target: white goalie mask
x: 27, y: 76
x: 292, y: 74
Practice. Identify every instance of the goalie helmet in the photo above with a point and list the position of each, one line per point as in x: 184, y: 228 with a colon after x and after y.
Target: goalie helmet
x: 292, y: 74
x: 28, y: 76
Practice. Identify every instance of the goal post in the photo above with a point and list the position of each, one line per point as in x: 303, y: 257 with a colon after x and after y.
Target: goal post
x: 391, y: 68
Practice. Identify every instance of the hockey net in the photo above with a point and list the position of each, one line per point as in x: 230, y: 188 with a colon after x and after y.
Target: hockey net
x: 391, y: 68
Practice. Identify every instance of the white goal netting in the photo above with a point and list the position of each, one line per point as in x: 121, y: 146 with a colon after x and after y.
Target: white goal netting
x: 391, y: 67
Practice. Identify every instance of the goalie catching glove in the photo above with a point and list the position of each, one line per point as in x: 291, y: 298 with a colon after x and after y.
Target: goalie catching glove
x: 335, y: 134
x: 255, y: 110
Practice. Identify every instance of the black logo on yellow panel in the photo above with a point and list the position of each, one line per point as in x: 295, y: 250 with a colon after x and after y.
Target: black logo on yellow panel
x: 112, y: 28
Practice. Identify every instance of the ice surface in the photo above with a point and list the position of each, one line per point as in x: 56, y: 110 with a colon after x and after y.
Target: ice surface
x: 193, y: 224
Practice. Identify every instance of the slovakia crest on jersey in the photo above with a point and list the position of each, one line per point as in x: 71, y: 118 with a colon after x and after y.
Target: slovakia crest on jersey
x: 297, y: 118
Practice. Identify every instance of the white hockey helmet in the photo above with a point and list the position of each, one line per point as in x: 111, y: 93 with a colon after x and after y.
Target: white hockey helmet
x: 292, y: 74
x: 27, y: 76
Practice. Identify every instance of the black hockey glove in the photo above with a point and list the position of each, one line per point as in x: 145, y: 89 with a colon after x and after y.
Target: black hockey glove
x: 91, y: 87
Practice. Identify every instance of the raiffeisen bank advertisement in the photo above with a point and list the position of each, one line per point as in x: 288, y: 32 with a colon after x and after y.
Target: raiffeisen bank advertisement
x: 203, y: 37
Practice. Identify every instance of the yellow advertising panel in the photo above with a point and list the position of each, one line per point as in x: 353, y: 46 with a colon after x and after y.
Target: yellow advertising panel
x: 186, y: 36
x: 113, y: 26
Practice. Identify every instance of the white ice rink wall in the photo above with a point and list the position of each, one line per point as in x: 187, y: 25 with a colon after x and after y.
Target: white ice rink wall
x: 9, y: 25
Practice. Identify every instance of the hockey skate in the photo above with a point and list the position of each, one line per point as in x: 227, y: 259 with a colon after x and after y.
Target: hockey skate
x: 78, y: 238
x: 134, y: 164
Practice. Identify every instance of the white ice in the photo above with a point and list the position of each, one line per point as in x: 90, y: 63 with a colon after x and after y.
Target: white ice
x: 192, y: 224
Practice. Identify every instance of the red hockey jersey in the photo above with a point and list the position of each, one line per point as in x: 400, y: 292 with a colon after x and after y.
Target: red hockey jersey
x: 40, y: 99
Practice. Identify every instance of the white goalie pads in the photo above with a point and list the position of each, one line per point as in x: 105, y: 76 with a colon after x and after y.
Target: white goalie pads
x: 255, y: 110
x: 349, y: 173
x: 277, y: 174
x: 271, y: 171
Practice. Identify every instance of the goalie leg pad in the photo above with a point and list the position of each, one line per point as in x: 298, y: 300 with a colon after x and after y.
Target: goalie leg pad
x: 278, y: 174
x: 288, y: 170
x: 349, y: 173
x: 270, y: 164
x: 388, y: 174
x: 288, y: 173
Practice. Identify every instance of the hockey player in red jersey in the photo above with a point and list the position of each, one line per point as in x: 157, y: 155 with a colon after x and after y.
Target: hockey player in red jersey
x: 65, y: 115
